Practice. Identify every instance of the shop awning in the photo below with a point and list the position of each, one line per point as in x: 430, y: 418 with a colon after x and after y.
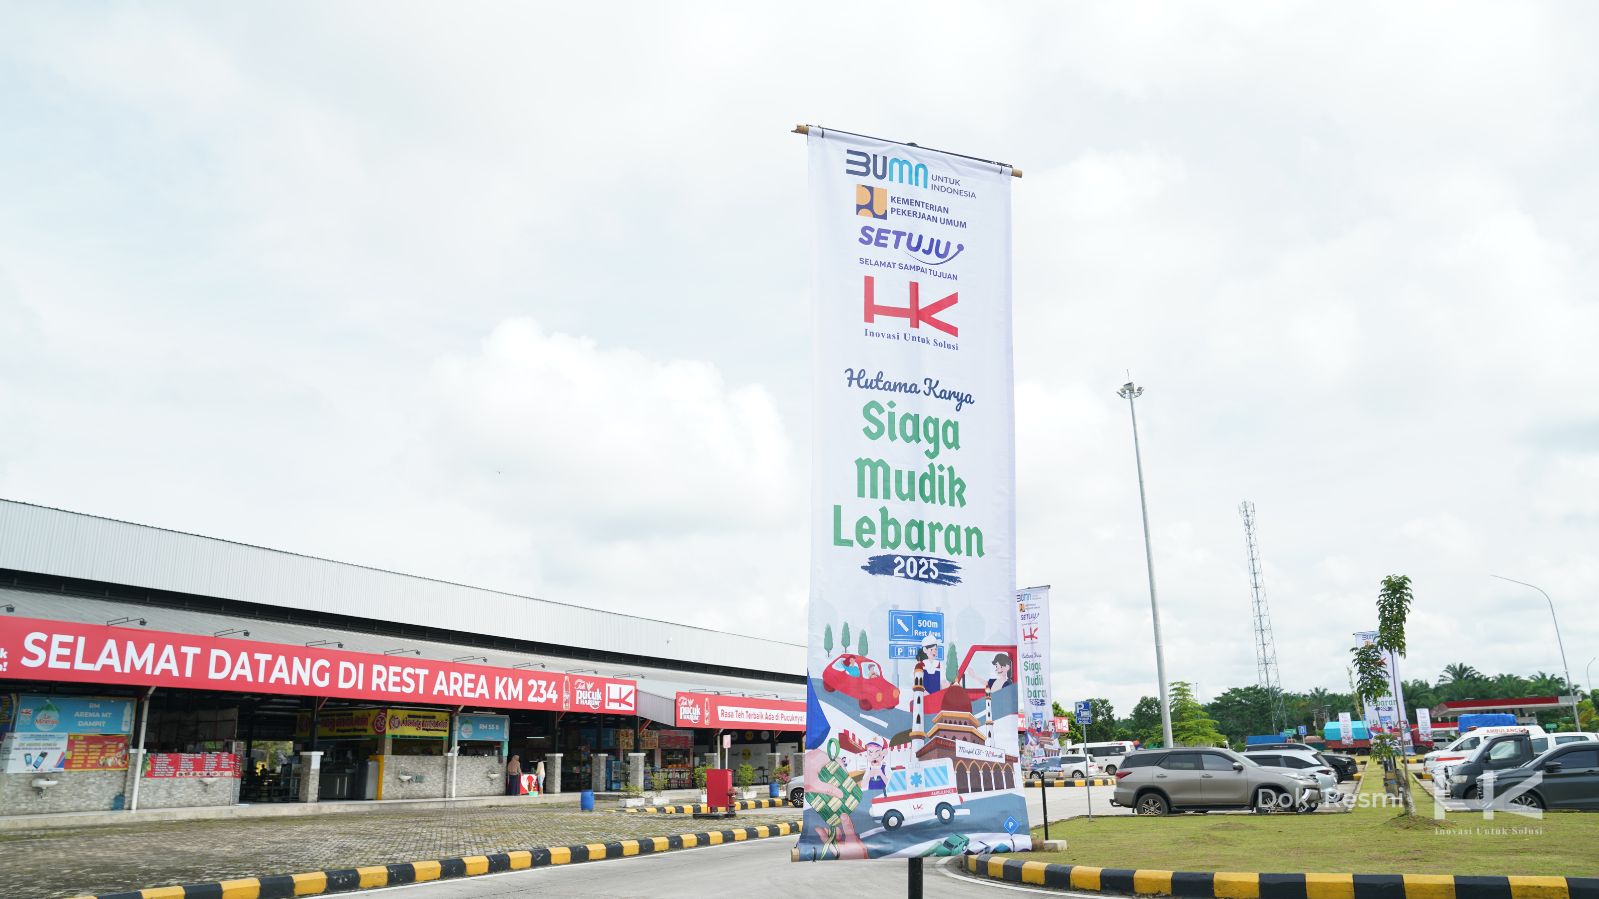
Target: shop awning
x: 656, y: 689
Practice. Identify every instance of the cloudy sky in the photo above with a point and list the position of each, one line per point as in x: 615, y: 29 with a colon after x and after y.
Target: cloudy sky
x: 517, y: 296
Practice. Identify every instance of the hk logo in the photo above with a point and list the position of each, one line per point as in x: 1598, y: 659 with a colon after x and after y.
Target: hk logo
x: 619, y: 697
x: 915, y: 313
x: 871, y: 202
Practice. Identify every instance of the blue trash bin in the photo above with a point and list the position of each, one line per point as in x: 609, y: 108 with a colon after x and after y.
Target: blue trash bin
x: 586, y: 800
x: 776, y: 790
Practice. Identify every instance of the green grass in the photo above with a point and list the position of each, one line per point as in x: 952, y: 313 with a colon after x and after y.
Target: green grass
x: 1372, y: 840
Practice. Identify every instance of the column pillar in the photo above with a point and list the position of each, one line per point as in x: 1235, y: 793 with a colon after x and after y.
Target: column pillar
x: 310, y: 776
x: 796, y: 764
x: 452, y: 763
x: 552, y: 772
x: 598, y: 762
x: 635, y: 770
x: 774, y: 760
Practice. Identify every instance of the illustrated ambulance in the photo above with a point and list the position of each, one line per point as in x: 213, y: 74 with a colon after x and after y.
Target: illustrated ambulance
x: 917, y: 794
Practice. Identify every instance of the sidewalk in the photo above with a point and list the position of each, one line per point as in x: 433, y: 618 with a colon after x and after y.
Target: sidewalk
x: 62, y: 862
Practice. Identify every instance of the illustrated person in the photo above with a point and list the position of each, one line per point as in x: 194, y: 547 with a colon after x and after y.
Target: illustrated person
x: 932, y: 668
x: 1002, y: 673
x: 876, y: 770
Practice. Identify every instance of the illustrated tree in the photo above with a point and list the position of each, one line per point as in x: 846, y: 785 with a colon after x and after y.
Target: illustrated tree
x: 845, y: 636
x: 949, y: 664
x: 1373, y: 678
x: 1190, y: 726
x: 860, y: 643
x: 827, y: 639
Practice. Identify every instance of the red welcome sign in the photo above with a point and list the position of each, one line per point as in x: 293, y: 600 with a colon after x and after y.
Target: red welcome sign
x: 38, y: 649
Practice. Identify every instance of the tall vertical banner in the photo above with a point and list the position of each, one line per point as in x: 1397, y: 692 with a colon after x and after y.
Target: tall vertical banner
x: 1032, y: 634
x: 1386, y: 714
x: 1424, y: 725
x: 911, y: 725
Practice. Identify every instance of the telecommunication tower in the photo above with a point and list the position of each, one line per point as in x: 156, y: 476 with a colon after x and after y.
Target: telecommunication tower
x: 1265, y: 647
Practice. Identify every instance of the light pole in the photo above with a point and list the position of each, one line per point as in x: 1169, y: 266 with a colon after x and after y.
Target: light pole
x: 1576, y: 717
x: 1130, y: 392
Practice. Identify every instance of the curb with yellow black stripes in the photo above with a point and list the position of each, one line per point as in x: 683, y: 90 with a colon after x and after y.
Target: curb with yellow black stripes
x: 1225, y: 885
x: 1076, y: 782
x: 741, y: 805
x: 344, y: 880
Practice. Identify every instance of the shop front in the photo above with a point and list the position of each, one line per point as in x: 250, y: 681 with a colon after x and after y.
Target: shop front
x: 99, y: 717
x: 764, y: 733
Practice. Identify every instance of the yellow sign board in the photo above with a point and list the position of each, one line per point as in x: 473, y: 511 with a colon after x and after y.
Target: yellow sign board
x: 376, y: 723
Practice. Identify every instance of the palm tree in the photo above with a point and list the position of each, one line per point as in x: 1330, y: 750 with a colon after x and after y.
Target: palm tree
x: 1458, y: 672
x: 1546, y: 684
x: 1319, y: 703
x: 1461, y: 681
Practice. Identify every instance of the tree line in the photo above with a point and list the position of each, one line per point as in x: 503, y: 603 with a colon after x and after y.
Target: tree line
x: 1239, y: 712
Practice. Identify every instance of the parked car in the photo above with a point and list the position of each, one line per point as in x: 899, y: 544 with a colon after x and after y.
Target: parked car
x: 1065, y: 766
x: 794, y: 790
x: 1496, y: 753
x: 1161, y: 781
x: 1344, y: 766
x: 1300, y: 763
x: 1567, y: 778
x: 860, y: 679
x: 1107, y: 755
x: 1539, y: 744
x: 1464, y: 745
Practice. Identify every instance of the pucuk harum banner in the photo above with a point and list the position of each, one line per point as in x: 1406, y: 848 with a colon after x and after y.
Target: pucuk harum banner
x: 911, y: 726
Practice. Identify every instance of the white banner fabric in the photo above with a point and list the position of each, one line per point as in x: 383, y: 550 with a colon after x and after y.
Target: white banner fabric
x: 911, y: 723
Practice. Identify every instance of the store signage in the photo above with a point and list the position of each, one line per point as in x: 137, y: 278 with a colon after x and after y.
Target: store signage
x: 37, y: 649
x: 34, y: 753
x: 1062, y: 725
x: 913, y: 488
x: 191, y: 764
x: 97, y: 752
x: 38, y: 714
x: 416, y: 723
x: 494, y: 728
x: 712, y: 710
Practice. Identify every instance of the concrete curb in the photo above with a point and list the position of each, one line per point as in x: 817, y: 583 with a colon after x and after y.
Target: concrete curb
x: 1075, y: 782
x: 1234, y: 885
x: 344, y: 880
x: 742, y: 805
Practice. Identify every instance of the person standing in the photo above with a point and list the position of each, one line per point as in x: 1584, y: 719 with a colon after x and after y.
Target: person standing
x: 513, y: 776
x: 538, y: 773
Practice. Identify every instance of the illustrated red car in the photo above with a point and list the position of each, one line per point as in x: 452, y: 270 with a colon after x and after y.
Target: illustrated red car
x: 982, y: 655
x: 862, y: 679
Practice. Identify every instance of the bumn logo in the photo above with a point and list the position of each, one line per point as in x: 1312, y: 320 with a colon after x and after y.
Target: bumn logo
x: 915, y: 313
x: 871, y: 202
x: 861, y: 164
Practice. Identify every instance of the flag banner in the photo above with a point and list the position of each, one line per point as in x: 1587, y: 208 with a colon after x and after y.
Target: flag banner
x: 1424, y: 725
x: 1386, y: 714
x: 1346, y: 728
x: 1032, y: 634
x: 913, y: 699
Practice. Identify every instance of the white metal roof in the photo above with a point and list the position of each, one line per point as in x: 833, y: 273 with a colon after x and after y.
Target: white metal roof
x: 54, y: 542
x: 658, y: 687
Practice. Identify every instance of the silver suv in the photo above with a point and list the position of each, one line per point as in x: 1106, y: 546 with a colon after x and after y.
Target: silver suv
x: 1161, y: 781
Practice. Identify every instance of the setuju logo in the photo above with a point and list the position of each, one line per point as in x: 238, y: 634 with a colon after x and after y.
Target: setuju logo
x: 923, y: 249
x: 871, y: 202
x: 861, y: 164
x: 586, y: 693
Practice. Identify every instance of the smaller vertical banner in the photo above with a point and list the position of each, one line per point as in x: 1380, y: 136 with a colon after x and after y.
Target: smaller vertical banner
x: 1346, y: 728
x: 1424, y: 725
x: 1032, y: 650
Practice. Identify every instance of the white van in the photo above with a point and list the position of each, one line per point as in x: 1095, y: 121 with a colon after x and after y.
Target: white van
x: 1463, y: 746
x: 1107, y: 755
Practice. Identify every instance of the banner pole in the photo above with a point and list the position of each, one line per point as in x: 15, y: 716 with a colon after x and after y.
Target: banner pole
x: 1014, y: 172
x: 1043, y: 794
x: 914, y: 881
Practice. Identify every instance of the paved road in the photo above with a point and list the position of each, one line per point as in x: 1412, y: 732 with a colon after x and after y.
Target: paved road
x: 761, y: 867
x: 1070, y: 802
